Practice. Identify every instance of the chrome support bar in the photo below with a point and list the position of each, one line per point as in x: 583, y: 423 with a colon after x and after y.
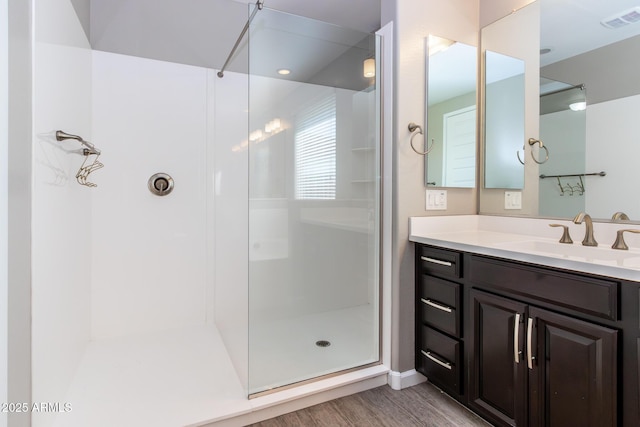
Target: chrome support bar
x: 259, y: 5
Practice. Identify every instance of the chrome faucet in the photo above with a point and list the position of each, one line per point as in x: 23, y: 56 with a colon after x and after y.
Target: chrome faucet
x: 588, y: 240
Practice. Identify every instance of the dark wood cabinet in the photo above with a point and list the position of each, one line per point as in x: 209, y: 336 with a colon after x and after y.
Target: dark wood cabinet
x: 439, y: 349
x: 532, y: 367
x: 528, y: 345
x: 498, y: 377
x: 572, y: 377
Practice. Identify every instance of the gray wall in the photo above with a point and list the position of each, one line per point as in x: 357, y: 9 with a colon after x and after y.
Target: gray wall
x: 608, y: 73
x: 19, y: 209
x: 413, y: 22
x: 83, y: 10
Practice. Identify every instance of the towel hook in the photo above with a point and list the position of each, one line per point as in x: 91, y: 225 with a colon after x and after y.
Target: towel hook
x: 417, y: 130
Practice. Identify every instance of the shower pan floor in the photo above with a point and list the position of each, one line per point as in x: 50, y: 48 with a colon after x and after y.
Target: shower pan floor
x: 163, y: 379
x: 289, y: 350
x: 185, y: 376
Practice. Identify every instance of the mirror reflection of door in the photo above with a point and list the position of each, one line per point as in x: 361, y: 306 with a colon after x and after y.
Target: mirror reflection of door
x: 459, y: 146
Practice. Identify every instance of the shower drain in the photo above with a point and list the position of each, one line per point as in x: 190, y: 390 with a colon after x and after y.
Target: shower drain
x: 323, y: 343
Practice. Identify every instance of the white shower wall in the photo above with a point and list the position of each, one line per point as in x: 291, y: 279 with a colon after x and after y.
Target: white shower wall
x: 61, y: 214
x: 612, y: 146
x: 149, y: 256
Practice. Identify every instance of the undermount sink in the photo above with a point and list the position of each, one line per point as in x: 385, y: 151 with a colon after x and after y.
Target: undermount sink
x: 600, y: 255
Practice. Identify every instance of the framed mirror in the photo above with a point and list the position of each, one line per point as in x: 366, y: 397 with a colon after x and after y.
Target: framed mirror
x: 451, y: 113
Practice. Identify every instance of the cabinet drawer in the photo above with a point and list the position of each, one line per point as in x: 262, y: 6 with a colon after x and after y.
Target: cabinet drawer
x: 438, y: 261
x: 438, y: 359
x: 589, y: 295
x: 438, y: 304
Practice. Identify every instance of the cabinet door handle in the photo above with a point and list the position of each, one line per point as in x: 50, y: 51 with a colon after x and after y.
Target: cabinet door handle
x: 436, y: 261
x: 436, y: 305
x: 438, y: 361
x: 530, y: 356
x: 516, y: 338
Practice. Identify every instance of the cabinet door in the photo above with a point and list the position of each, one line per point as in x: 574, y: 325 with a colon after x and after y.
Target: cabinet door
x: 573, y: 377
x: 498, y: 377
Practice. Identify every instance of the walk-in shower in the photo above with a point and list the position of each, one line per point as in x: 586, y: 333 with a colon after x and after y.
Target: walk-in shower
x: 258, y: 272
x: 313, y: 201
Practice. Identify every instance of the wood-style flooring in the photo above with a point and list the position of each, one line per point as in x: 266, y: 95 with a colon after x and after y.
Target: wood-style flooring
x: 420, y: 405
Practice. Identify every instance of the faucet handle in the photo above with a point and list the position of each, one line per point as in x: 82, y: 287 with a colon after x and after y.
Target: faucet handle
x: 620, y: 216
x: 566, y: 238
x: 620, y: 243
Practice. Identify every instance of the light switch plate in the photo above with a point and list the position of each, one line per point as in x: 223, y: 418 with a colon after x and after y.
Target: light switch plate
x: 513, y: 199
x: 436, y: 200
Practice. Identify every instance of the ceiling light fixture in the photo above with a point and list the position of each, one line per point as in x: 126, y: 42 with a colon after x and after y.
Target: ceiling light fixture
x: 284, y: 71
x: 369, y: 67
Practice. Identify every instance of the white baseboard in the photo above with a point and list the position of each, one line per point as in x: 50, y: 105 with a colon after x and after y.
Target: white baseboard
x: 400, y: 380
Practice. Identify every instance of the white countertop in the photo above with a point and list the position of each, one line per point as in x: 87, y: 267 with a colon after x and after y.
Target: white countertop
x: 533, y: 241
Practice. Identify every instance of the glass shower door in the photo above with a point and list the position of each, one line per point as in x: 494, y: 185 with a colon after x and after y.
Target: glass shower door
x: 313, y: 143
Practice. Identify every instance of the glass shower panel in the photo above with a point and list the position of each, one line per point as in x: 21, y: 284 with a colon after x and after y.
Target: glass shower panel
x: 313, y: 143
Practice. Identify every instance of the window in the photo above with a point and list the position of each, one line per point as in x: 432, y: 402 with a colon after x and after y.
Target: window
x: 315, y: 151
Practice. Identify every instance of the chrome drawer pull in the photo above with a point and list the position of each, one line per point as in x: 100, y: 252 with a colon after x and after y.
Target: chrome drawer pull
x: 438, y: 361
x: 516, y: 338
x: 530, y: 356
x: 436, y: 305
x: 436, y: 261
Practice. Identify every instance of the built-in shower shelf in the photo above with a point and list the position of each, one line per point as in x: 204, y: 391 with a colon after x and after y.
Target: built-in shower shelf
x: 362, y: 181
x: 363, y: 149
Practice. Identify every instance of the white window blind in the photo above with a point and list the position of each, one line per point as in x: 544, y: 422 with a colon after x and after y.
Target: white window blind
x: 315, y: 150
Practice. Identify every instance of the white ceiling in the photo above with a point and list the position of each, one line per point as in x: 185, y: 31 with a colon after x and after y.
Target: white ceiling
x: 363, y: 15
x: 571, y: 27
x: 452, y: 72
x: 568, y: 28
x: 203, y: 32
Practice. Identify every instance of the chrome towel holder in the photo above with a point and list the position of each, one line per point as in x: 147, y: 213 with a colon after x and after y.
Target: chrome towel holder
x: 417, y: 130
x: 532, y: 142
x: 89, y: 150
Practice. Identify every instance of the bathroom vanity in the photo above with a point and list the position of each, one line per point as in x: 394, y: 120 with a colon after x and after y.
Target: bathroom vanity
x: 523, y: 338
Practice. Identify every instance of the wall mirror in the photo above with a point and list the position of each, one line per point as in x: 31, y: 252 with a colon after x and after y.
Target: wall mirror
x: 451, y: 113
x: 583, y: 107
x: 504, y: 121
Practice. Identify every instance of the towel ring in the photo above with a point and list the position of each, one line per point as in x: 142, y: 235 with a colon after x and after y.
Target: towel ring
x: 417, y: 130
x: 533, y: 141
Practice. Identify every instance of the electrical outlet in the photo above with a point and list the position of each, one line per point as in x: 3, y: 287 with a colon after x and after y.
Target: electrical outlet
x: 436, y: 200
x: 513, y: 199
